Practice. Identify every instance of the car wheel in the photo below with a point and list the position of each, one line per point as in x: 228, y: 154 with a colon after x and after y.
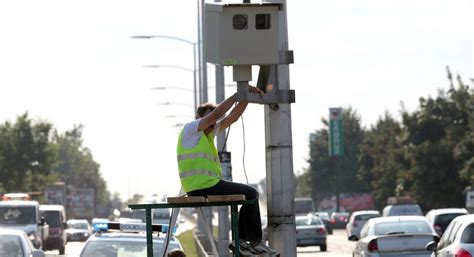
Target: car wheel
x: 323, y: 248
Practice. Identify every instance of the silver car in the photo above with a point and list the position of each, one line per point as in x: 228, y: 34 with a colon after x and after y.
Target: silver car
x: 16, y: 243
x: 394, y: 236
x: 310, y: 230
x: 457, y: 240
x: 358, y: 220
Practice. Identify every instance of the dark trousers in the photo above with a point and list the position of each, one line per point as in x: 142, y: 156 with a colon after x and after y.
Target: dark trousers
x: 250, y: 225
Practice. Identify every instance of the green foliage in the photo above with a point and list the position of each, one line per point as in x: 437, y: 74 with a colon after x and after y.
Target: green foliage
x: 437, y: 136
x: 381, y: 159
x: 25, y: 154
x: 429, y: 155
x: 33, y: 155
x: 325, y: 169
x: 76, y: 165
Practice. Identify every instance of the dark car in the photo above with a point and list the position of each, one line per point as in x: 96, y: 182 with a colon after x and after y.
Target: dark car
x: 55, y: 216
x: 324, y: 216
x: 339, y: 219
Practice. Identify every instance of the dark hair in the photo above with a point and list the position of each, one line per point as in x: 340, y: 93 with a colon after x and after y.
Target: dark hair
x: 176, y: 253
x: 203, y: 108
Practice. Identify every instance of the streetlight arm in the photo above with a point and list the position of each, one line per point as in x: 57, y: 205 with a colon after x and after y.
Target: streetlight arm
x: 168, y: 66
x: 178, y: 88
x: 164, y: 36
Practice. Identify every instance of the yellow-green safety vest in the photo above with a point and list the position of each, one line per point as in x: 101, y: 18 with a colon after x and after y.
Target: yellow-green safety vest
x: 199, y: 167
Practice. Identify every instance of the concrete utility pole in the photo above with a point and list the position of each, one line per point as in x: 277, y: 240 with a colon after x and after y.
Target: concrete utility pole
x: 201, y: 43
x: 224, y: 224
x: 279, y: 157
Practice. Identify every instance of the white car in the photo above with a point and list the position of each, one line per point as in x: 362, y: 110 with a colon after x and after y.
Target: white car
x: 440, y: 218
x: 457, y: 240
x: 118, y: 239
x: 78, y: 230
x: 358, y: 220
x: 394, y: 236
x: 15, y: 242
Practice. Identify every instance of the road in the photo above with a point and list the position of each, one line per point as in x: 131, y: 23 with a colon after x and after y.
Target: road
x: 338, y: 246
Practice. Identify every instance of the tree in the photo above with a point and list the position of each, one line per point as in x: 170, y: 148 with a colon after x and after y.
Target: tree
x: 381, y: 159
x: 437, y: 142
x: 26, y: 156
x: 322, y: 167
x: 76, y: 165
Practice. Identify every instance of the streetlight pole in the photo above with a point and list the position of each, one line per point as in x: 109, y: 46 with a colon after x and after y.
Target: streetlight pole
x: 195, y: 61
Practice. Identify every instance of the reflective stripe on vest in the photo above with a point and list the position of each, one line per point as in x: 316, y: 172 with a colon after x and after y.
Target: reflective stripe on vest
x: 190, y: 173
x: 188, y: 156
x: 199, y: 167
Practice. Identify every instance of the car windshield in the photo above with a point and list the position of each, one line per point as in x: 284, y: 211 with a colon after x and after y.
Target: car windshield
x: 121, y: 249
x: 443, y: 220
x: 405, y: 209
x: 307, y: 221
x: 52, y: 218
x: 364, y: 217
x: 78, y: 225
x: 17, y: 215
x: 10, y: 245
x: 401, y: 227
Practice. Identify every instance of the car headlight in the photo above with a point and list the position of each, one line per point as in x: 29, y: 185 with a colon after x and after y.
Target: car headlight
x: 86, y: 234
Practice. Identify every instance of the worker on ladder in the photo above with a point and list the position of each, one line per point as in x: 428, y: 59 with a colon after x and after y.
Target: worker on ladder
x: 200, y: 169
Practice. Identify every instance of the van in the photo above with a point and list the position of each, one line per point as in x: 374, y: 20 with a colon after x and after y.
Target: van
x: 55, y: 217
x: 24, y: 215
x: 303, y: 206
x: 402, y: 210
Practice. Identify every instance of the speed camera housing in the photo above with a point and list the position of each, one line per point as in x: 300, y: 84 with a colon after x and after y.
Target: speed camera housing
x: 242, y: 34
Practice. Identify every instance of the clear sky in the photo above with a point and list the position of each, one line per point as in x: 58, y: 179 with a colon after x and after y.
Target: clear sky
x: 73, y: 62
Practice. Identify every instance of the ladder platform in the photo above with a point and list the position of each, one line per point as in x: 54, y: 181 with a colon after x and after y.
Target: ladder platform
x: 226, y: 198
x: 210, y: 198
x: 187, y: 199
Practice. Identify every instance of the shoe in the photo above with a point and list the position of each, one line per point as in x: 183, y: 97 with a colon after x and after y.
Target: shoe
x: 262, y: 248
x: 244, y: 248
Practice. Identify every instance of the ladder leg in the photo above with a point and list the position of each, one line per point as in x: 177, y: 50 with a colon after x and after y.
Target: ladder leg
x: 149, y: 233
x: 235, y: 228
x: 172, y: 223
x: 169, y: 234
x: 209, y: 233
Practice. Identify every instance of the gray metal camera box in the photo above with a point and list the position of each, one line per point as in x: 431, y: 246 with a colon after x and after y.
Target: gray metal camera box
x: 242, y: 34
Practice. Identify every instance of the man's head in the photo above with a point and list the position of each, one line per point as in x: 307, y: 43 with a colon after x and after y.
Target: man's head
x: 204, y: 110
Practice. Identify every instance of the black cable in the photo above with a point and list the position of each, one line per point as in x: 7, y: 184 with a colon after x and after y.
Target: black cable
x: 243, y: 155
x: 225, y: 140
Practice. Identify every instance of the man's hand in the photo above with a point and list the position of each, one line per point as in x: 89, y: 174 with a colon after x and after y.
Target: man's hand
x: 256, y: 90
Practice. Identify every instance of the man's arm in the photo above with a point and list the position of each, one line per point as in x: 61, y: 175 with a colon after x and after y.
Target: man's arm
x: 233, y: 116
x: 237, y: 111
x: 220, y: 111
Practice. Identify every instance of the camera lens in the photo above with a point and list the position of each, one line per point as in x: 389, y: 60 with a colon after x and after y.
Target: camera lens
x: 262, y: 21
x: 239, y: 21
